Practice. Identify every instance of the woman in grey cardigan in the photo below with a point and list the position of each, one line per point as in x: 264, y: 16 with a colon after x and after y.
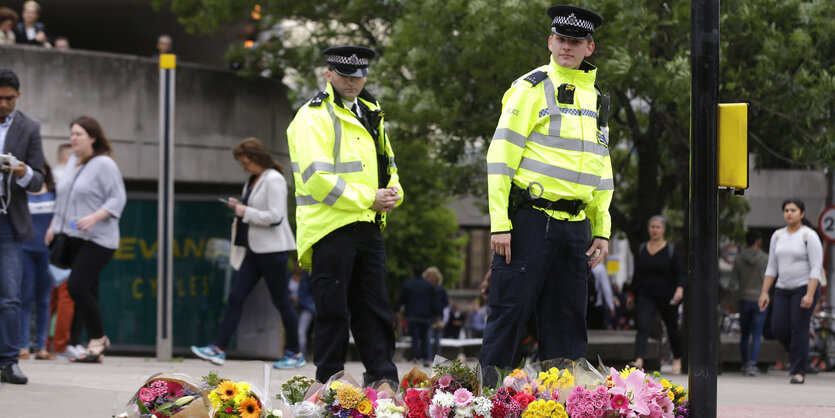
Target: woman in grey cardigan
x: 89, y: 202
x: 795, y: 257
x: 263, y: 241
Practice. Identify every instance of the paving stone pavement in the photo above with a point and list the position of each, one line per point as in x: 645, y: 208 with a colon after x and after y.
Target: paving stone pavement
x: 64, y: 390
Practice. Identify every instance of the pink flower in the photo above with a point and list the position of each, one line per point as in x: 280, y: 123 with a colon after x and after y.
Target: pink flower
x: 620, y: 402
x: 146, y: 395
x: 444, y: 381
x: 601, y: 390
x: 159, y: 387
x: 438, y: 411
x: 463, y: 397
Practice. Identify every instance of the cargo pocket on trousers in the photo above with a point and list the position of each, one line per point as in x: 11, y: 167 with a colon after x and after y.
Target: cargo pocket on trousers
x: 506, y: 282
x: 330, y: 298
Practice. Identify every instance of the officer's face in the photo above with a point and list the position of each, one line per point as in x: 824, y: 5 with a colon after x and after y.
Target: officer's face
x: 347, y: 87
x: 569, y: 52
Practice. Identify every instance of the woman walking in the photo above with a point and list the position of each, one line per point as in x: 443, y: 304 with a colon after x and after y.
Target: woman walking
x: 795, y: 257
x: 657, y: 285
x: 90, y: 200
x: 263, y: 230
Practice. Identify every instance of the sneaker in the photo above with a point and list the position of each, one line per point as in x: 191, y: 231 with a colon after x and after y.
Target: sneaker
x: 210, y: 354
x: 752, y: 371
x: 290, y: 362
x: 73, y: 351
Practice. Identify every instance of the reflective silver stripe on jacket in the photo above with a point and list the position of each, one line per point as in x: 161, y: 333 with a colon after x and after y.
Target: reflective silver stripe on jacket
x: 501, y: 169
x: 554, y: 112
x: 559, y: 173
x: 305, y: 200
x: 511, y: 136
x: 569, y: 144
x: 606, y: 184
x: 337, y: 191
x: 392, y: 165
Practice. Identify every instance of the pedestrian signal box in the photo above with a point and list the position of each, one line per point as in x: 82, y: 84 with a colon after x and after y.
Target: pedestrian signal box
x: 732, y: 154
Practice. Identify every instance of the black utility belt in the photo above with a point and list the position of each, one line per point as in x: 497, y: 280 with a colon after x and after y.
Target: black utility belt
x: 525, y: 198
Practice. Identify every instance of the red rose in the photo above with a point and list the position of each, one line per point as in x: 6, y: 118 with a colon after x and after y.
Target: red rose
x: 405, y: 383
x: 229, y: 409
x: 524, y: 399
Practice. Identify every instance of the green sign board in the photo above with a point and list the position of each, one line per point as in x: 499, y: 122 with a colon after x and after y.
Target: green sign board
x: 128, y: 286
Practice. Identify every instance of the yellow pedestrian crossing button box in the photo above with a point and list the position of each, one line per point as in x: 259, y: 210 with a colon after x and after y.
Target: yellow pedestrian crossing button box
x: 732, y: 155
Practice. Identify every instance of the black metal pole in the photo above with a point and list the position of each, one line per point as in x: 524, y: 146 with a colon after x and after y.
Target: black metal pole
x: 704, y: 265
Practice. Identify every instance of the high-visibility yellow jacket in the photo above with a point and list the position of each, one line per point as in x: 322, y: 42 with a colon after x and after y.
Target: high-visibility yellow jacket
x: 334, y: 161
x: 557, y: 145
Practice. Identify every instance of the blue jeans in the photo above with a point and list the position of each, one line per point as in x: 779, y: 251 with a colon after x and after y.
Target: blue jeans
x: 36, y: 288
x: 433, y: 342
x: 790, y: 324
x: 751, y: 322
x: 10, y: 276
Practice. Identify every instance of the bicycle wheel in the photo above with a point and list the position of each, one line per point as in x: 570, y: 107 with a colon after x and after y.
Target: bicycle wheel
x: 825, y: 342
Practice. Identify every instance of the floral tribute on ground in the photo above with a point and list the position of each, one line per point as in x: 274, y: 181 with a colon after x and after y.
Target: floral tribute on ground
x: 560, y: 389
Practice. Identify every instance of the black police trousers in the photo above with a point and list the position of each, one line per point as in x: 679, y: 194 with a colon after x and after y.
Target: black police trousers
x: 546, y: 277
x: 349, y: 289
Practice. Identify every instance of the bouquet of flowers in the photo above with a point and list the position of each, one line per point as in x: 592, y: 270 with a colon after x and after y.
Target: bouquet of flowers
x: 236, y: 400
x: 345, y: 400
x: 168, y: 395
x: 414, y: 379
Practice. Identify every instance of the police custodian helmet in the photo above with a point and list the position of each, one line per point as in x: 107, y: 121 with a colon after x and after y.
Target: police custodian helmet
x: 574, y: 22
x: 349, y: 61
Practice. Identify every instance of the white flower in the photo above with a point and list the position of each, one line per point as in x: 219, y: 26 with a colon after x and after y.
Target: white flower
x: 483, y: 406
x: 466, y: 411
x: 387, y: 409
x: 447, y: 400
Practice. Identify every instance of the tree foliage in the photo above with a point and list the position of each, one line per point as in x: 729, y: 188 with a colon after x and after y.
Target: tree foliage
x: 445, y: 64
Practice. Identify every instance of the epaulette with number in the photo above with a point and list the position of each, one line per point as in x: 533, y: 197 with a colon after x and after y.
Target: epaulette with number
x: 317, y: 100
x: 536, y: 77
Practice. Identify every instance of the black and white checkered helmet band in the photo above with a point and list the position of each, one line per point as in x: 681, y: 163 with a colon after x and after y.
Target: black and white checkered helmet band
x: 572, y: 20
x: 352, y: 60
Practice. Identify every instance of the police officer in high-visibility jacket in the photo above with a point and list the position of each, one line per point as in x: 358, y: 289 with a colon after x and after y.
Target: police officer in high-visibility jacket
x: 346, y: 181
x: 550, y: 185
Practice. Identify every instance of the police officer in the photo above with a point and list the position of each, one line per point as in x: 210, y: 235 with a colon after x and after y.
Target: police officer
x: 346, y: 182
x: 550, y: 185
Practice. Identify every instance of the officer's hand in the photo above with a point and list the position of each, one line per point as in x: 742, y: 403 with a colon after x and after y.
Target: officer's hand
x: 384, y: 200
x: 500, y: 243
x: 598, y: 244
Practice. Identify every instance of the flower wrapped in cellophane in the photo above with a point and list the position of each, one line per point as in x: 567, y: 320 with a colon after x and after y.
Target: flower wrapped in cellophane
x: 231, y: 399
x: 169, y: 395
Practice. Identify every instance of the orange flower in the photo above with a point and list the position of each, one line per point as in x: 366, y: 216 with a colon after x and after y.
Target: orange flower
x: 227, y: 390
x: 250, y: 408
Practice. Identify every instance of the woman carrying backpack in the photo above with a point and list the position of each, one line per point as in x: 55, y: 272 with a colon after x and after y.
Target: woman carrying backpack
x: 795, y: 257
x: 657, y: 285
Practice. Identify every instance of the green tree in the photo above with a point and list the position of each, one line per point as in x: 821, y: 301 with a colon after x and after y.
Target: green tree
x: 446, y: 64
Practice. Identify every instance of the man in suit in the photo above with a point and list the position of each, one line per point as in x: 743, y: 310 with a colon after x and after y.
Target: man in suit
x: 19, y: 137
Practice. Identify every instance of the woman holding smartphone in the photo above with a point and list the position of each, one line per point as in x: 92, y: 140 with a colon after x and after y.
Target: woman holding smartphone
x: 262, y: 229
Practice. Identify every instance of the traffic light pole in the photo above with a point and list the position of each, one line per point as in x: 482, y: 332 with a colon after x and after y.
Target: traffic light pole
x: 703, y: 342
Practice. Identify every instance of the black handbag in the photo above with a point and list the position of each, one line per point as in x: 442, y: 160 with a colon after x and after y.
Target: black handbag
x: 60, y: 253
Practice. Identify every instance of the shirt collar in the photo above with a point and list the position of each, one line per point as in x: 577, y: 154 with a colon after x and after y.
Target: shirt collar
x: 8, y: 120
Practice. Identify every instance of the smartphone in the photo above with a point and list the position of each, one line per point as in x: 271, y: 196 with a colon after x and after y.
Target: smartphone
x: 224, y: 201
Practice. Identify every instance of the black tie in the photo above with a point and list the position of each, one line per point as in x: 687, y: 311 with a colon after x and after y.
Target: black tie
x: 354, y: 109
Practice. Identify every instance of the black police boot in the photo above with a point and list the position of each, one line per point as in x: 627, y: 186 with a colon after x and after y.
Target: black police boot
x: 11, y: 373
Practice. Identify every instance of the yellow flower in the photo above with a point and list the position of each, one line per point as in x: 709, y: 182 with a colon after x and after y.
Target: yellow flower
x: 517, y: 374
x: 348, y: 396
x: 626, y: 371
x: 243, y: 392
x: 214, y: 397
x: 365, y: 407
x: 336, y: 385
x: 665, y: 383
x: 679, y: 390
x: 249, y: 408
x: 671, y: 395
x: 227, y: 390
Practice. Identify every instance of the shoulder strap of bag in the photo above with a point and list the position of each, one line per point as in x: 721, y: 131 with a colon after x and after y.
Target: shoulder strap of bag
x: 69, y: 194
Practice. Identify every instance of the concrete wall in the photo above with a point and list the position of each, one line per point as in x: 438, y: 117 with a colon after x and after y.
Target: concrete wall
x: 769, y: 188
x: 215, y: 109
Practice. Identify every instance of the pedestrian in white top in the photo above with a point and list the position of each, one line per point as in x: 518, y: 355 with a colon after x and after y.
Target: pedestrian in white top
x: 794, y: 262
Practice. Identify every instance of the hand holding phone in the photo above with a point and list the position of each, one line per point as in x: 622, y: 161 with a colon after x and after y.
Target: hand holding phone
x: 225, y: 201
